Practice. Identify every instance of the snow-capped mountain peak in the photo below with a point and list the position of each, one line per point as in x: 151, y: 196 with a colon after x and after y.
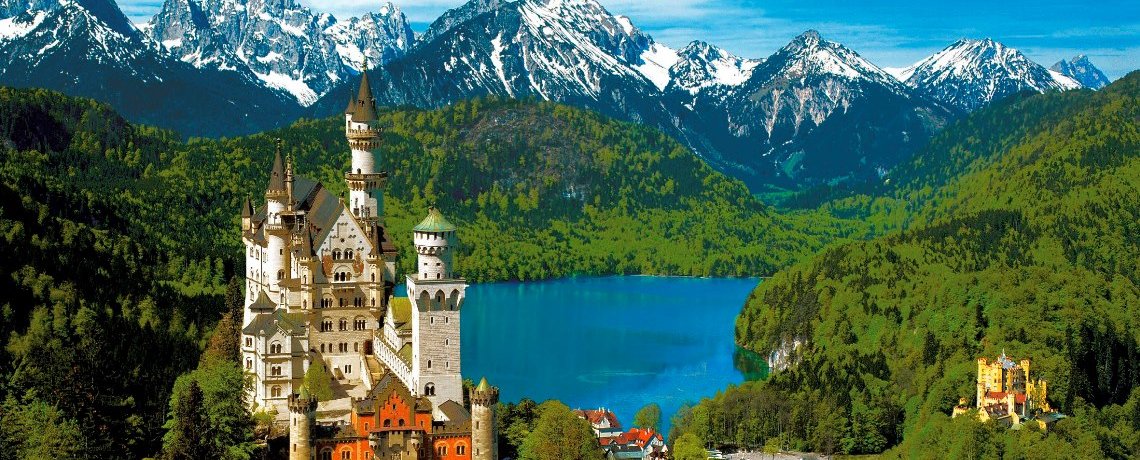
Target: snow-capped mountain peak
x: 1084, y: 72
x: 970, y: 73
x: 810, y: 54
x: 700, y: 65
x: 380, y: 37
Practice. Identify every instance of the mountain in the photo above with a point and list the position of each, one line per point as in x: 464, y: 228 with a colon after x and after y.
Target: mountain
x: 283, y: 44
x: 762, y: 128
x: 380, y: 37
x: 89, y: 48
x: 1084, y: 72
x: 814, y: 111
x: 459, y: 15
x: 700, y: 65
x: 570, y: 51
x: 970, y: 74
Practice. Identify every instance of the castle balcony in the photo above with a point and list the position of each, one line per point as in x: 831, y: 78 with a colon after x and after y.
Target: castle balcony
x: 362, y: 134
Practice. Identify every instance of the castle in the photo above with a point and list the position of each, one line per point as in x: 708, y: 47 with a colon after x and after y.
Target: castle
x: 1006, y: 394
x: 320, y: 282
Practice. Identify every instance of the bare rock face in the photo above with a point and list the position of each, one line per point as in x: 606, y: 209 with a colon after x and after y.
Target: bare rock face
x: 1084, y: 72
x: 376, y: 37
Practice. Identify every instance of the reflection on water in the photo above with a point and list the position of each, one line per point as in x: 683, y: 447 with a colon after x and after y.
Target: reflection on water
x: 751, y: 364
x: 617, y: 342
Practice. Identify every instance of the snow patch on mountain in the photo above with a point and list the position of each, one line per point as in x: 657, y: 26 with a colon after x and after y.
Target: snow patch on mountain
x: 656, y: 62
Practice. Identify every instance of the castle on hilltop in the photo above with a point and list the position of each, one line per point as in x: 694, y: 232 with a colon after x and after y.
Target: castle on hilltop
x: 320, y: 282
x: 1006, y: 394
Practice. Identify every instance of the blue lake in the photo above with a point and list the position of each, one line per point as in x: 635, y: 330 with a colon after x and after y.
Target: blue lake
x: 614, y: 342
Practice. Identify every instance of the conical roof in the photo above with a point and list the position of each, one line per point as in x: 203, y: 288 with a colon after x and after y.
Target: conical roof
x: 483, y: 386
x: 247, y: 209
x: 435, y: 223
x: 363, y: 108
x: 277, y: 175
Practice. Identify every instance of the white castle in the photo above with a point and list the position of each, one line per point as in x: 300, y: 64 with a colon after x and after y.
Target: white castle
x: 320, y: 276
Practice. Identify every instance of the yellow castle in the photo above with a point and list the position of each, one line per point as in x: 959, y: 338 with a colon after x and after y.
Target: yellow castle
x: 1006, y: 393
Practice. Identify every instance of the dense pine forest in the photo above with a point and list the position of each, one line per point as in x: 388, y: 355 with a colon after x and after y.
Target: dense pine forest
x: 1017, y: 231
x: 121, y: 244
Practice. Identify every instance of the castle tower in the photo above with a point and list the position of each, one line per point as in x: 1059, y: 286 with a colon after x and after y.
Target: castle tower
x: 437, y: 297
x: 302, y: 413
x: 365, y: 183
x: 483, y: 439
x: 269, y: 268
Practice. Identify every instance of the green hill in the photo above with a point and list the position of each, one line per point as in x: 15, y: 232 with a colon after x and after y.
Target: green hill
x: 1021, y: 235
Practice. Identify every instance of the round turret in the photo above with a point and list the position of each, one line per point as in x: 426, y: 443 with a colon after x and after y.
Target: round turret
x: 483, y: 439
x: 435, y: 240
x: 302, y: 412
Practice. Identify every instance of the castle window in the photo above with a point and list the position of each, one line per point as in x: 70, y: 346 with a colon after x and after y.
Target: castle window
x: 276, y: 371
x: 248, y: 364
x: 345, y: 455
x: 429, y: 364
x: 280, y: 275
x: 442, y: 451
x: 359, y: 324
x: 275, y: 348
x: 387, y: 423
x: 249, y: 341
x: 460, y: 449
x: 356, y: 346
x: 343, y: 324
x: 401, y: 422
x: 348, y: 254
x: 429, y: 389
x: 326, y: 454
x: 276, y: 391
x: 347, y: 368
x: 322, y: 348
x: 336, y: 254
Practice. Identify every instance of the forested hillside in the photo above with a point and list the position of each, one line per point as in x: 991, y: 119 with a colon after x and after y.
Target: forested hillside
x: 538, y: 189
x: 119, y: 242
x: 1021, y: 236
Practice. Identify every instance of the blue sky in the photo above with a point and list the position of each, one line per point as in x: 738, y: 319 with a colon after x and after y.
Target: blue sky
x: 889, y: 33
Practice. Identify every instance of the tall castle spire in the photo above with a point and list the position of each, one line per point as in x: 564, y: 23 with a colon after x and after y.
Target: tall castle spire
x: 365, y: 182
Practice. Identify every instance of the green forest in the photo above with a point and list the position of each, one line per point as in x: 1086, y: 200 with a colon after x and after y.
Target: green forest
x: 1015, y: 230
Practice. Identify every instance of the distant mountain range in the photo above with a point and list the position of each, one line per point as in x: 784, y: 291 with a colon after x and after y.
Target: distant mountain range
x: 813, y: 112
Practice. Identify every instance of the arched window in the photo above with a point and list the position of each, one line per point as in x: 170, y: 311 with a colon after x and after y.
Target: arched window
x: 336, y: 254
x: 387, y: 423
x: 402, y: 422
x: 348, y: 254
x: 275, y: 348
x: 429, y: 389
x: 460, y: 449
x: 280, y: 275
x: 326, y: 454
x: 345, y: 455
x: 276, y: 391
x: 343, y: 324
x: 429, y: 364
x: 441, y: 451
